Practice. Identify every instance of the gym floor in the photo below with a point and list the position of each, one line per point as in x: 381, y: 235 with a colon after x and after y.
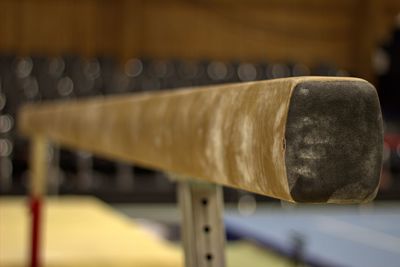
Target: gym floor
x: 83, y: 231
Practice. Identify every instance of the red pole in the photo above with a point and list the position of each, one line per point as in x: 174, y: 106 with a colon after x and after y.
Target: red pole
x: 38, y: 165
x: 36, y: 210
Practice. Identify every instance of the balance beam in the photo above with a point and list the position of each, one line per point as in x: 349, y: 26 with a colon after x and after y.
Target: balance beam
x: 310, y: 139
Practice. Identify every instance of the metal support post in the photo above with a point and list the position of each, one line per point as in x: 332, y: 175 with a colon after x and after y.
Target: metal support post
x: 203, y: 232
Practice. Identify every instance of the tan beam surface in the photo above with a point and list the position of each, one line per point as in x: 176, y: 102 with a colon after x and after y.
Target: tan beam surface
x: 232, y: 134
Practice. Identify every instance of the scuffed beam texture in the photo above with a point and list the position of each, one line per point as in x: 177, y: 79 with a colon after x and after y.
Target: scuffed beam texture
x: 254, y: 136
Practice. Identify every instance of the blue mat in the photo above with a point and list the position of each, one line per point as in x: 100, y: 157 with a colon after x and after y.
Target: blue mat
x: 330, y: 236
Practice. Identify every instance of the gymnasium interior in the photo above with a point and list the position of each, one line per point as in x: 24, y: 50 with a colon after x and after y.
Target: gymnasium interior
x: 104, y: 209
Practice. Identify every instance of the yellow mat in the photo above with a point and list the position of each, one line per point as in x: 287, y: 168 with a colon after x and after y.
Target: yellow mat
x: 81, y: 231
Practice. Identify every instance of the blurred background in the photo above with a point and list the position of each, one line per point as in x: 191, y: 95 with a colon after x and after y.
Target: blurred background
x: 69, y: 49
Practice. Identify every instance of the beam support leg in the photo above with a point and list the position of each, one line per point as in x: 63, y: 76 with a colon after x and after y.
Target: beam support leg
x: 203, y: 232
x: 38, y: 165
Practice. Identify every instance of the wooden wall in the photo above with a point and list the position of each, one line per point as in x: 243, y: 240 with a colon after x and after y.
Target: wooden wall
x: 342, y: 32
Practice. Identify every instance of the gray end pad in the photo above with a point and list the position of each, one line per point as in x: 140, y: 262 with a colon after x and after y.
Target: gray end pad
x: 334, y: 142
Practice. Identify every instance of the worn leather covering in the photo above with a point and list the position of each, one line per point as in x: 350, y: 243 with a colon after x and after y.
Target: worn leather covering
x: 231, y: 134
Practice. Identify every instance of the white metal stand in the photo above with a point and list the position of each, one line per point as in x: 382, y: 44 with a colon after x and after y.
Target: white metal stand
x: 203, y: 231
